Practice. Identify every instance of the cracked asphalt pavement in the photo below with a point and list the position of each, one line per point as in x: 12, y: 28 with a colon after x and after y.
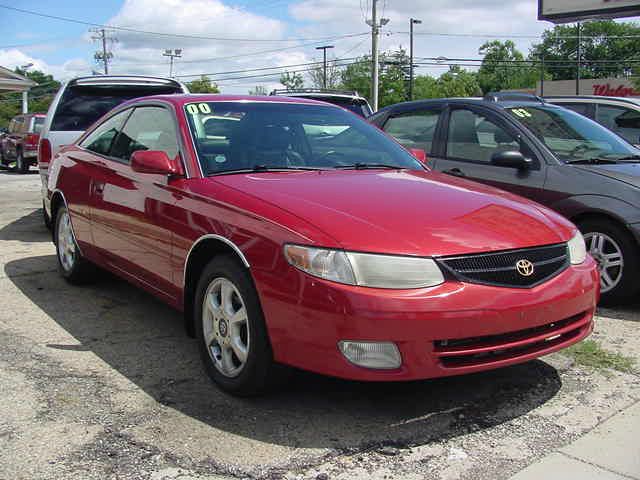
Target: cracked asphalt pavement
x: 101, y: 382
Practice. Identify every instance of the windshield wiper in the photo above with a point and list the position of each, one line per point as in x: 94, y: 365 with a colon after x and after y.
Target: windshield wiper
x: 629, y: 158
x: 365, y: 166
x: 593, y: 161
x: 265, y: 168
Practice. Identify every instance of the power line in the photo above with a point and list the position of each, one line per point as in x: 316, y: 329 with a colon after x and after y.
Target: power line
x: 513, y: 35
x: 229, y: 57
x: 176, y: 35
x: 259, y: 69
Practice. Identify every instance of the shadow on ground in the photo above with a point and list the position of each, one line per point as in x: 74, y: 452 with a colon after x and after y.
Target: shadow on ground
x: 144, y: 340
x: 29, y: 228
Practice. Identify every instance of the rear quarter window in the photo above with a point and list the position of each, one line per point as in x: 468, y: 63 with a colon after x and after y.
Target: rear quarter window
x: 81, y: 106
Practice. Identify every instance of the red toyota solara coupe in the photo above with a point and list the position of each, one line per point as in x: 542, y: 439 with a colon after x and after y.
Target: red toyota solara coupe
x: 293, y: 233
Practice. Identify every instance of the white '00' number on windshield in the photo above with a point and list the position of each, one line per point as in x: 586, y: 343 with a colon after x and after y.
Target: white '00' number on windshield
x: 194, y: 109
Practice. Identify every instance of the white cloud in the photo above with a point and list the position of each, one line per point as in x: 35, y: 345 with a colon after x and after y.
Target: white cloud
x: 13, y: 58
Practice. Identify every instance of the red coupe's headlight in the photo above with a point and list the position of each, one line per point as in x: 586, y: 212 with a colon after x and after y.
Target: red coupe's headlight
x: 365, y: 269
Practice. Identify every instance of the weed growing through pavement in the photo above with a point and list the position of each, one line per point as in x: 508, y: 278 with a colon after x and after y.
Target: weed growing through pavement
x: 590, y: 354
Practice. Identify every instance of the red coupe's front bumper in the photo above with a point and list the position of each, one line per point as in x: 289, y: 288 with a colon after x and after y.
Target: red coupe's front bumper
x: 451, y: 329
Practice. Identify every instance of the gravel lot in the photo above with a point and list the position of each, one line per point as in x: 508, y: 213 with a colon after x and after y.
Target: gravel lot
x: 101, y: 382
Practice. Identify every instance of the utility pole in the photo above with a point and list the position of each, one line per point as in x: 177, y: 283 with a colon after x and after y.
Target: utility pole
x: 176, y: 53
x: 104, y: 56
x: 324, y: 51
x: 578, y: 58
x: 412, y: 22
x: 375, y: 31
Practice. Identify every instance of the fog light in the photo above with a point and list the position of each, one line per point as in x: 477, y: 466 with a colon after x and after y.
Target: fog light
x: 378, y: 355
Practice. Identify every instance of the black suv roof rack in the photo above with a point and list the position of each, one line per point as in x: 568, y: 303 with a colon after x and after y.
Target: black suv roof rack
x: 512, y: 97
x: 284, y: 91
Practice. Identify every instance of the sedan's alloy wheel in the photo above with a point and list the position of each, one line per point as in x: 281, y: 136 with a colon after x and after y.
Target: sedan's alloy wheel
x: 608, y: 254
x: 225, y: 326
x: 66, y: 242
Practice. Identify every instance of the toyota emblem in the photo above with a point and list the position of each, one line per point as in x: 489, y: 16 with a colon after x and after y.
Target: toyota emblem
x: 524, y: 267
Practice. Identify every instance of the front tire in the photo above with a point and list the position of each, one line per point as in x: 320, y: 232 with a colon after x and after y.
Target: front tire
x: 71, y: 264
x: 231, y: 331
x: 618, y: 258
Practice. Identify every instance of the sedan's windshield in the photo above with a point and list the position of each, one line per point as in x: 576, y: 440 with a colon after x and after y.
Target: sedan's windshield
x: 240, y: 136
x: 572, y: 137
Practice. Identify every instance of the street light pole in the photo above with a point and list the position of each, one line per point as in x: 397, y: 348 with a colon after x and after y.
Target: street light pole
x: 324, y: 51
x: 25, y: 93
x: 412, y: 22
x: 176, y: 53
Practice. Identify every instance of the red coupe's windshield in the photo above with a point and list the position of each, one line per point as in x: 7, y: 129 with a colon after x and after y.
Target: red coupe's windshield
x: 238, y: 136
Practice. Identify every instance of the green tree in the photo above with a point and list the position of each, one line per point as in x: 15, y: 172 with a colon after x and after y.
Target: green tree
x: 504, y: 67
x: 258, y: 90
x: 203, y: 85
x: 392, y: 86
x: 608, y: 49
x: 457, y: 82
x: 333, y: 76
x: 292, y: 80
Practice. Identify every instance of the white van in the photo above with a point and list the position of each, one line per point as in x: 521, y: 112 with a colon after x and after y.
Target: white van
x: 82, y: 101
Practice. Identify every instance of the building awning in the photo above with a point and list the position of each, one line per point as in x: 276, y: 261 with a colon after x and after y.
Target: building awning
x: 12, y: 82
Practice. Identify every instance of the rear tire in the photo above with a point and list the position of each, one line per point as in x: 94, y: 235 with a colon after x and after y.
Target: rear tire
x: 228, y: 319
x: 618, y: 258
x: 71, y: 264
x: 22, y: 166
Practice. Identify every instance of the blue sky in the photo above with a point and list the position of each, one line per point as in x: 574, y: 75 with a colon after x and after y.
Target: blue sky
x: 287, y: 31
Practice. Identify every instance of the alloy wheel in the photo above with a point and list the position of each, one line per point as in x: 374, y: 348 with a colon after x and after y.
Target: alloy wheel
x: 66, y: 242
x: 225, y: 325
x: 608, y: 254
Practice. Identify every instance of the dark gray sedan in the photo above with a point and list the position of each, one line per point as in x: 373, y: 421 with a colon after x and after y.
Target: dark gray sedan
x: 544, y: 152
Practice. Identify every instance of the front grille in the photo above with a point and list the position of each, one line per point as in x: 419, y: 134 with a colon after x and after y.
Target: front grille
x: 476, y: 351
x: 499, y: 268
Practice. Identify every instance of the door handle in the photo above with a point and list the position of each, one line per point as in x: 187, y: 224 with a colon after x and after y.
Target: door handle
x: 456, y: 172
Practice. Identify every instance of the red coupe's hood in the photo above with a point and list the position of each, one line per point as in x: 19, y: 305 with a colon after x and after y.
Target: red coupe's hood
x: 402, y: 212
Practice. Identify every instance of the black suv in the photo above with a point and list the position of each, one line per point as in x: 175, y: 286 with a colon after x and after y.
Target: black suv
x: 544, y: 152
x: 346, y: 99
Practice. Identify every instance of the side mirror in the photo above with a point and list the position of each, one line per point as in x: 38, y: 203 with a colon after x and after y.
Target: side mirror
x: 511, y: 159
x: 419, y: 154
x: 155, y: 161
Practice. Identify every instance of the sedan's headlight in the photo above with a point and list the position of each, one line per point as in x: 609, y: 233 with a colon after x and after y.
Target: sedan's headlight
x: 365, y: 269
x: 577, y: 249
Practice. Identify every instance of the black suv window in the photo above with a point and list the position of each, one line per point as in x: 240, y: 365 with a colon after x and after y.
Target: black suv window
x: 100, y: 140
x: 624, y: 121
x: 581, y: 108
x: 148, y: 128
x: 474, y: 137
x: 81, y: 106
x: 414, y: 129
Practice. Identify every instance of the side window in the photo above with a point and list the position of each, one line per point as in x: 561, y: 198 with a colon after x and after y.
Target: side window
x: 476, y: 138
x: 100, y: 140
x: 414, y: 129
x: 148, y: 128
x: 581, y: 108
x: 624, y: 121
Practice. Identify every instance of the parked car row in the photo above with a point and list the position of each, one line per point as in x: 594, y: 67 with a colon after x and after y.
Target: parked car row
x: 292, y: 233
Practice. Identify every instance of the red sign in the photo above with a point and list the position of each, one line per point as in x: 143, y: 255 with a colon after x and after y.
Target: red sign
x: 620, y: 91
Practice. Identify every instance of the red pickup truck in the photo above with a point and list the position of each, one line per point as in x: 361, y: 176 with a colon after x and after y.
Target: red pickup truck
x: 20, y: 144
